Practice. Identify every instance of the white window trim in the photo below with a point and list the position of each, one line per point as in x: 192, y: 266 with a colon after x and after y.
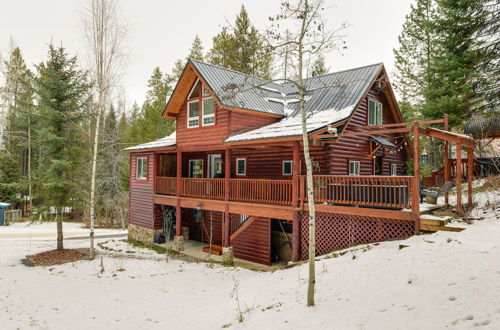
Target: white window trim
x: 197, y: 117
x: 192, y: 89
x: 283, y: 167
x: 381, y: 112
x: 394, y: 169
x: 203, y: 116
x: 191, y: 166
x: 359, y: 167
x: 245, y: 167
x: 137, y: 160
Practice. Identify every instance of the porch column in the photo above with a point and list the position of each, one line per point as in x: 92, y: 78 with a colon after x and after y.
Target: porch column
x: 470, y: 168
x: 446, y: 164
x: 178, y: 217
x: 295, y: 202
x: 227, y: 217
x: 458, y: 173
x: 415, y: 203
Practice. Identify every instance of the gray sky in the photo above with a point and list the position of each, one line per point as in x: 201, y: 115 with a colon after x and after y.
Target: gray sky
x: 160, y: 32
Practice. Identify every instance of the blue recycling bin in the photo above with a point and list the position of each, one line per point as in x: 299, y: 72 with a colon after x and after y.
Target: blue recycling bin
x: 2, y: 213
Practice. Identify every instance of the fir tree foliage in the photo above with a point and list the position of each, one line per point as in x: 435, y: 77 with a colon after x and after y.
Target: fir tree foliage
x: 195, y: 53
x: 319, y: 67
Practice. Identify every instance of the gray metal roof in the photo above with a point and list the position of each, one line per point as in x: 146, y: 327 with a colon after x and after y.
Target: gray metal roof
x: 383, y: 142
x: 167, y: 141
x: 481, y: 127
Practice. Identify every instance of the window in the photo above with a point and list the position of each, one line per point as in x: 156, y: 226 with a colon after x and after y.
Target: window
x: 394, y: 169
x: 354, y: 168
x: 200, y: 106
x: 287, y: 167
x: 141, y: 170
x: 241, y: 166
x: 374, y: 113
x: 193, y: 114
x: 196, y: 168
x: 208, y: 112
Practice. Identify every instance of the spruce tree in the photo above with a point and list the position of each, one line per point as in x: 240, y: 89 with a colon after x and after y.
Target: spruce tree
x: 242, y: 49
x: 195, y: 53
x: 62, y: 90
x: 453, y: 87
x: 319, y: 67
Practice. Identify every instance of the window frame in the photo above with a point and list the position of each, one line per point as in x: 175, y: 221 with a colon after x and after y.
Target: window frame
x: 137, y: 160
x: 203, y: 116
x: 376, y: 118
x: 394, y: 169
x: 193, y: 118
x: 359, y: 167
x: 192, y: 89
x: 245, y: 167
x: 283, y: 167
x: 191, y: 161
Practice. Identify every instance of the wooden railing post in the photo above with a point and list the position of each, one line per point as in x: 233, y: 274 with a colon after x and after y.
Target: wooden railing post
x: 446, y: 161
x: 227, y: 216
x: 415, y: 195
x: 295, y: 203
x: 458, y: 177
x: 178, y: 211
x: 470, y: 168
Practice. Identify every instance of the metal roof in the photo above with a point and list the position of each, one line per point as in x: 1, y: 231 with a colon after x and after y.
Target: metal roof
x: 167, y: 141
x: 482, y: 127
x: 383, y: 142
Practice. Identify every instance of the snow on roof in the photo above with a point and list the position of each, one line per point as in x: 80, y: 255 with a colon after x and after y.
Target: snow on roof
x: 167, y: 141
x: 3, y: 205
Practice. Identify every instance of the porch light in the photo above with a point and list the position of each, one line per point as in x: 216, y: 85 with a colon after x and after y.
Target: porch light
x: 332, y: 130
x: 424, y: 158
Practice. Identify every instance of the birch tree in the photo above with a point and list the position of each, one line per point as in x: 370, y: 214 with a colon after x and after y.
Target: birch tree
x: 300, y: 30
x: 105, y: 36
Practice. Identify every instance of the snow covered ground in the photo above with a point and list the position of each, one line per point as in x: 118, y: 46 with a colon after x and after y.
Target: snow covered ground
x: 445, y: 280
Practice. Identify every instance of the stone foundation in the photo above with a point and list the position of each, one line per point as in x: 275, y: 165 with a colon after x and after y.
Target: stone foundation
x: 227, y: 255
x: 178, y: 243
x: 142, y: 234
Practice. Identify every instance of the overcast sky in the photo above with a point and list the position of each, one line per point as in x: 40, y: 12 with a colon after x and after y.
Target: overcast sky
x: 160, y: 32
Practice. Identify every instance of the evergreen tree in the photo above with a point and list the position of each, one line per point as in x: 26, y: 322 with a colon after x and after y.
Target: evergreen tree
x: 413, y: 62
x: 195, y: 53
x: 148, y: 124
x: 319, y: 67
x: 62, y: 93
x: 453, y: 87
x: 243, y: 49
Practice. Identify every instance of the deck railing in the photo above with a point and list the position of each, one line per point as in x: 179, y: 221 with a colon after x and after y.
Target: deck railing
x: 205, y: 188
x: 382, y: 191
x: 261, y: 191
x: 166, y: 185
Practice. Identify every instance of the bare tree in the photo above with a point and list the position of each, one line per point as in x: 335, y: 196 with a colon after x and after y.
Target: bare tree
x: 299, y: 31
x: 105, y: 36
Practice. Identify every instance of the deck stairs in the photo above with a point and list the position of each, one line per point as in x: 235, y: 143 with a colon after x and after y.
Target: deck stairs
x: 215, y: 249
x: 431, y: 222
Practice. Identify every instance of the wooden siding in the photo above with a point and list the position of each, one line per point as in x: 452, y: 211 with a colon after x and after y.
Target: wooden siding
x: 141, y: 207
x: 243, y: 122
x: 254, y: 243
x: 212, y: 220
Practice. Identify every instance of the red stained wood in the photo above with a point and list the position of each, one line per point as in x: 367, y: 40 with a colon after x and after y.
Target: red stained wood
x: 254, y: 243
x: 141, y: 207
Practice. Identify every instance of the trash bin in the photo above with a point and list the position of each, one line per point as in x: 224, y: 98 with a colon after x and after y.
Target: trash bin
x: 2, y: 213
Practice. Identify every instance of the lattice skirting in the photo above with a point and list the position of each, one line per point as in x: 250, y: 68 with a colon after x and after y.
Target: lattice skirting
x: 336, y: 231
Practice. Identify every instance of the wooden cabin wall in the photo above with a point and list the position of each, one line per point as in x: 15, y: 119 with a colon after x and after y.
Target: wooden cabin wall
x: 254, y: 243
x: 141, y: 207
x: 241, y: 122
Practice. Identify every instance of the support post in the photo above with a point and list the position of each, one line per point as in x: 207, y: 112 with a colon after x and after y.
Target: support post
x: 415, y: 203
x: 227, y: 216
x: 178, y: 213
x: 458, y: 173
x: 470, y: 168
x: 295, y: 202
x: 446, y: 164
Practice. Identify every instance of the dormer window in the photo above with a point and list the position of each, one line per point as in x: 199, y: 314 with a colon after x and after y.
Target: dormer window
x: 197, y: 100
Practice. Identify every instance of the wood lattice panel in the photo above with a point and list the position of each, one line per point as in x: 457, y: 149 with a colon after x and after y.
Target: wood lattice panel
x: 336, y: 231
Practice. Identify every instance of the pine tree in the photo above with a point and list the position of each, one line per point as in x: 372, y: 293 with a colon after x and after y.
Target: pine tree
x: 413, y: 62
x: 62, y: 92
x: 195, y: 53
x: 243, y: 49
x: 452, y: 89
x: 319, y: 67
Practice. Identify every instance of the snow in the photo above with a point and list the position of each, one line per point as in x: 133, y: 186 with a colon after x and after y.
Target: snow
x: 445, y: 280
x: 292, y: 126
x: 167, y: 141
x: 34, y: 230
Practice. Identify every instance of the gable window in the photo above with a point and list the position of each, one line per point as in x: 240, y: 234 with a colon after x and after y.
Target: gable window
x: 196, y: 168
x: 193, y: 114
x: 374, y: 113
x: 354, y: 168
x: 287, y: 167
x: 141, y: 169
x: 394, y: 169
x: 241, y: 166
x: 200, y: 106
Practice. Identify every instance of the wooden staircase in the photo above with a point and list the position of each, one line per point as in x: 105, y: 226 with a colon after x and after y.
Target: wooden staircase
x: 214, y: 249
x: 434, y: 223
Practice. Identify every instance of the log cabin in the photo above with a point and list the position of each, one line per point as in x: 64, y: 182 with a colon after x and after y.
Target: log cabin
x: 232, y: 174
